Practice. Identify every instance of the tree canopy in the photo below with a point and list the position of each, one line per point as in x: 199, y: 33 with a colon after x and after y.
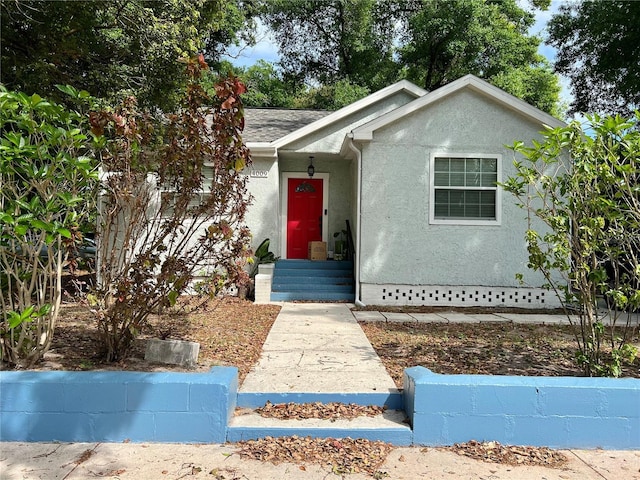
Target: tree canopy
x: 332, y: 51
x: 372, y: 43
x: 598, y: 49
x: 268, y: 86
x: 112, y: 48
x: 326, y: 41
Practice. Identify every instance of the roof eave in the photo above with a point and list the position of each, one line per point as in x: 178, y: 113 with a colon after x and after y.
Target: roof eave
x: 262, y: 149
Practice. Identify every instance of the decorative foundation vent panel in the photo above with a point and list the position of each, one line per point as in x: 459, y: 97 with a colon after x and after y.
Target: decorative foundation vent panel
x: 456, y: 296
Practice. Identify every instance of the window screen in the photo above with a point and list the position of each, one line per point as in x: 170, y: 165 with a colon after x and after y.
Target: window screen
x: 464, y: 188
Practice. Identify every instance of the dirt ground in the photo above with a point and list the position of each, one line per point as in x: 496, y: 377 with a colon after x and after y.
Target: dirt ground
x: 500, y: 348
x: 232, y: 331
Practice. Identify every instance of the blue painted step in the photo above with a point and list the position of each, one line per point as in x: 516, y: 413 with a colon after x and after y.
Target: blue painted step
x: 295, y: 287
x: 312, y: 296
x: 313, y: 281
x: 306, y: 264
x: 389, y: 427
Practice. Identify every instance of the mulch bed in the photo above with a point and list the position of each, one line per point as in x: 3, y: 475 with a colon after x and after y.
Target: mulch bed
x: 500, y: 348
x: 230, y: 331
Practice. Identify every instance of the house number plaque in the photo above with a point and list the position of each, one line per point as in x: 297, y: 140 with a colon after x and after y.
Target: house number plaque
x: 259, y: 173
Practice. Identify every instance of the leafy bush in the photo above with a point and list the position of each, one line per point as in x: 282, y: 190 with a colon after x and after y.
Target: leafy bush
x: 47, y: 175
x: 582, y: 183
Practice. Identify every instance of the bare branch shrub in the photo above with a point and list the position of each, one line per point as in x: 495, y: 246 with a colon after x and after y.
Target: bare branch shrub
x: 172, y: 206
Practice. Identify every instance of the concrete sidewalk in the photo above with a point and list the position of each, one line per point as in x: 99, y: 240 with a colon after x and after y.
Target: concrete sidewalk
x: 127, y: 461
x: 317, y: 348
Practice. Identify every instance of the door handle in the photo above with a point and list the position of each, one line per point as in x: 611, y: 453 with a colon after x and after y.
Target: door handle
x: 320, y: 225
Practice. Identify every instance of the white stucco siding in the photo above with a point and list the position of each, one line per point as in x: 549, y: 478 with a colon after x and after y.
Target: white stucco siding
x: 399, y: 246
x: 330, y: 138
x: 262, y: 214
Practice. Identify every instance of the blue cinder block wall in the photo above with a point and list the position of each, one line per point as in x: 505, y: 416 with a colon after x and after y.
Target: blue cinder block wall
x: 559, y: 412
x: 115, y: 406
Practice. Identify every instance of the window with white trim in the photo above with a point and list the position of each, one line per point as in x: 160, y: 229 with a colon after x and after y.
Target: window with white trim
x: 464, y: 189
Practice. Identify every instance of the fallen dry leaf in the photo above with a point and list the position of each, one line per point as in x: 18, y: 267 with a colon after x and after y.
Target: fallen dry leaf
x: 494, y: 452
x: 325, y: 411
x: 84, y: 456
x: 341, y: 456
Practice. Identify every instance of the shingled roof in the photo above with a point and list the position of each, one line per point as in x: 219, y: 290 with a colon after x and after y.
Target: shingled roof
x: 269, y: 124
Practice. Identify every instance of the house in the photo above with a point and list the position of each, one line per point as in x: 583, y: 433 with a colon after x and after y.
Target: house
x: 414, y: 174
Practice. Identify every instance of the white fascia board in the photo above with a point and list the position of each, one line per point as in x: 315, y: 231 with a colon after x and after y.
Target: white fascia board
x: 514, y: 103
x: 345, y: 150
x: 365, y: 132
x: 402, y: 85
x: 262, y: 149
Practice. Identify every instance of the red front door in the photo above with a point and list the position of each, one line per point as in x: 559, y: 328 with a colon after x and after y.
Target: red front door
x: 304, y: 215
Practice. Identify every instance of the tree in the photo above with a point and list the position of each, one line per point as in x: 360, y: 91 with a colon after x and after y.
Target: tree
x: 325, y: 41
x: 331, y: 97
x: 266, y: 86
x: 371, y: 44
x: 598, y: 49
x: 111, y: 48
x: 445, y: 40
x: 172, y: 206
x: 584, y: 191
x: 46, y: 171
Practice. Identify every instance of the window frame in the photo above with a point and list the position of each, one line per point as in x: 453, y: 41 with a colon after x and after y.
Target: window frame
x: 461, y: 221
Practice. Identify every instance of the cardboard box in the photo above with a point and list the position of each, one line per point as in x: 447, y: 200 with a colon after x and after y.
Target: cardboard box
x: 317, y: 251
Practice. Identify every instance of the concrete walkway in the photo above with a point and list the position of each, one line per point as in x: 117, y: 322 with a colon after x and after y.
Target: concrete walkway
x: 318, y: 348
x: 459, y: 317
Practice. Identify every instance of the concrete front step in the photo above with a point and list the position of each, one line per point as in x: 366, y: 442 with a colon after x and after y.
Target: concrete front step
x: 390, y: 427
x: 392, y: 400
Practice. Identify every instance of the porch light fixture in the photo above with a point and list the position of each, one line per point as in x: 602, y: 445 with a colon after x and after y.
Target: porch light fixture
x: 310, y: 169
